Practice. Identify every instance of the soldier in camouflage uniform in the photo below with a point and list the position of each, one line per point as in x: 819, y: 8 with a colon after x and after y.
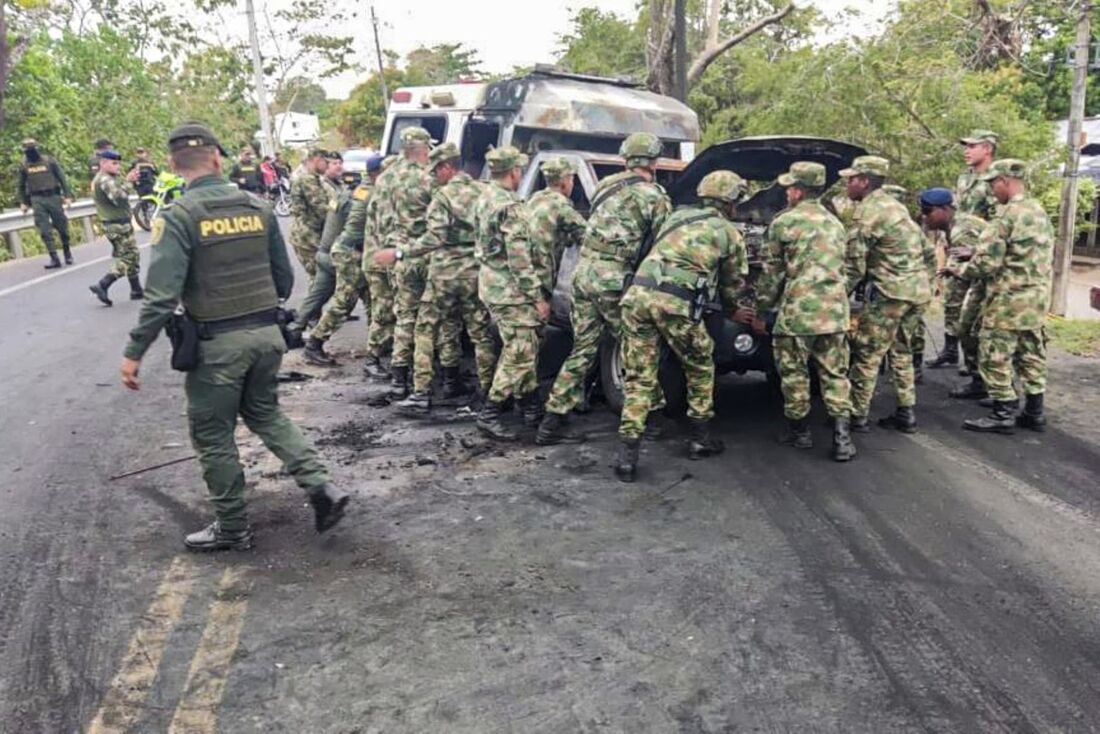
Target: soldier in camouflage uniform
x: 627, y: 209
x: 450, y: 296
x: 555, y: 224
x: 911, y: 330
x: 44, y: 190
x: 963, y: 231
x: 886, y: 253
x: 309, y: 197
x: 112, y: 202
x: 379, y: 282
x: 804, y: 283
x: 972, y: 196
x: 1015, y: 254
x: 697, y: 253
x: 509, y: 285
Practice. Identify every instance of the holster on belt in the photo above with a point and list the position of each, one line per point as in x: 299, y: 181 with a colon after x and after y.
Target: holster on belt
x: 183, y: 333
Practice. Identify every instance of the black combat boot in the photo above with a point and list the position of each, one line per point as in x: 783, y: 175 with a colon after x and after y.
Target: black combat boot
x: 373, y: 369
x: 136, y: 291
x: 626, y: 463
x: 530, y: 405
x: 843, y: 448
x: 1033, y: 416
x: 797, y: 433
x: 399, y: 382
x: 213, y: 538
x: 68, y: 254
x: 969, y: 366
x: 655, y: 426
x: 418, y: 404
x: 553, y: 431
x: 314, y: 353
x: 328, y: 506
x: 859, y: 424
x: 490, y: 422
x: 1001, y: 420
x: 973, y: 390
x: 451, y: 386
x: 918, y: 368
x: 100, y: 289
x: 701, y: 444
x: 988, y: 402
x: 902, y: 419
x: 54, y: 262
x: 949, y: 357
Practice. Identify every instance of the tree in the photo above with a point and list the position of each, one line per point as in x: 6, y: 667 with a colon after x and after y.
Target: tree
x: 299, y: 94
x: 602, y: 43
x: 444, y: 63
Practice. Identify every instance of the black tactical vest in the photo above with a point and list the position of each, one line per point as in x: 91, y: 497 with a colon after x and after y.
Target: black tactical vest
x: 230, y: 272
x: 40, y: 177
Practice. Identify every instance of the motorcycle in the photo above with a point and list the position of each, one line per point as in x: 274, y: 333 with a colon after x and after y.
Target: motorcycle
x: 167, y: 188
x: 279, y: 195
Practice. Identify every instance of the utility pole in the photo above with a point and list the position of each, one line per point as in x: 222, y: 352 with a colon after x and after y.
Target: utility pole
x: 1063, y: 246
x: 381, y: 66
x: 679, y: 60
x: 267, y: 143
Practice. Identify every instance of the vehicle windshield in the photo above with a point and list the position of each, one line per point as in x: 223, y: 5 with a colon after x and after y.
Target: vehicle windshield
x: 356, y: 159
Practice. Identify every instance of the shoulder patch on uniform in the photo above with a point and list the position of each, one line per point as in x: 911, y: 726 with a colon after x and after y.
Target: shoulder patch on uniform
x: 157, y: 231
x: 361, y: 193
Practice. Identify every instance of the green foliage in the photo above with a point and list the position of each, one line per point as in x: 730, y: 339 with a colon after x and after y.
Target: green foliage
x: 604, y: 44
x: 299, y: 94
x: 445, y: 63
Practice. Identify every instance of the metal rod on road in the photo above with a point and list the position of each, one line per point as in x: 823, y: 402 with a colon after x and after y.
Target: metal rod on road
x: 381, y: 66
x: 267, y: 144
x: 151, y: 468
x: 1067, y: 213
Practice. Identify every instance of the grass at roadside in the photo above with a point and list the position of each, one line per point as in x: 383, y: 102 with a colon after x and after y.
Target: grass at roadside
x: 1076, y: 336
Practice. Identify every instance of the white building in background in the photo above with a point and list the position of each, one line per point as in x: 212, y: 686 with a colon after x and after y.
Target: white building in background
x: 294, y: 130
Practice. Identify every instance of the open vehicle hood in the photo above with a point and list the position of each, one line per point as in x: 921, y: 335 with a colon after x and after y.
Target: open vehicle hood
x: 762, y: 159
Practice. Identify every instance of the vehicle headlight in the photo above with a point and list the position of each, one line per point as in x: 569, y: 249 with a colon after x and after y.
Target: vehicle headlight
x: 743, y: 343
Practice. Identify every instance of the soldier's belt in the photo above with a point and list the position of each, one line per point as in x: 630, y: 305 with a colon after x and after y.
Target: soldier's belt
x: 46, y: 192
x: 671, y: 289
x: 208, y: 329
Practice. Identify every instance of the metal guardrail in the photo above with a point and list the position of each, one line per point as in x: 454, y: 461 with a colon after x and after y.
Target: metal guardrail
x: 11, y: 223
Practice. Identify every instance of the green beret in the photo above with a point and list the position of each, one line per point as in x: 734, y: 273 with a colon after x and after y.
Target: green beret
x: 804, y: 173
x: 505, y: 159
x: 1006, y: 167
x: 868, y: 165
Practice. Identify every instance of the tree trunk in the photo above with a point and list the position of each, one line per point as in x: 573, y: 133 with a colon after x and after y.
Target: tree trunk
x: 3, y: 60
x: 711, y: 53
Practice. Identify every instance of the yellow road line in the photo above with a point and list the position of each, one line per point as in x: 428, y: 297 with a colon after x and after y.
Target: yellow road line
x: 122, y: 704
x: 202, y: 694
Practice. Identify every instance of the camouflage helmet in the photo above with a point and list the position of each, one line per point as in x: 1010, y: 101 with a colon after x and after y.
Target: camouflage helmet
x: 724, y: 186
x: 640, y: 146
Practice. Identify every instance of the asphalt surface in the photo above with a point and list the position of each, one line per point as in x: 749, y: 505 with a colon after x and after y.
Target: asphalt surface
x: 943, y: 582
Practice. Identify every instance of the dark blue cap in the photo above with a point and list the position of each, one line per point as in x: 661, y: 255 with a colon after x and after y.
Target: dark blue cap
x: 374, y: 163
x: 111, y: 155
x: 937, y: 197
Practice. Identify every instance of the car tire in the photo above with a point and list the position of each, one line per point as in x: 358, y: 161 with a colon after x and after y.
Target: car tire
x: 670, y: 375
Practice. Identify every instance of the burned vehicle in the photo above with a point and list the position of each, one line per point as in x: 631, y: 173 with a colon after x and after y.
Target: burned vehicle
x: 759, y: 160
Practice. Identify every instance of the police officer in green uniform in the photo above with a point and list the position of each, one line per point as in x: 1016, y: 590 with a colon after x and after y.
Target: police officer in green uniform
x: 246, y: 173
x: 44, y: 189
x: 218, y: 252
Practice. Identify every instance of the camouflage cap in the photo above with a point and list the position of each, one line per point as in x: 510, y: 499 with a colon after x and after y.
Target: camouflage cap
x: 505, y: 159
x: 555, y: 169
x: 30, y: 143
x: 411, y: 136
x: 442, y: 153
x: 804, y: 173
x: 721, y: 185
x: 1007, y: 168
x: 317, y: 153
x: 868, y: 165
x: 193, y: 135
x: 640, y: 145
x: 333, y: 155
x: 898, y: 192
x: 980, y: 136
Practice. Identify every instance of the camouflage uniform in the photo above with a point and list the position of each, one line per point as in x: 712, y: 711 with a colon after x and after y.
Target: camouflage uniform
x: 966, y: 231
x: 910, y: 336
x: 451, y: 295
x: 112, y: 197
x: 616, y: 230
x: 1015, y: 254
x: 309, y: 197
x: 708, y: 248
x: 379, y: 280
x: 885, y: 248
x: 804, y: 281
x: 555, y: 224
x: 346, y: 256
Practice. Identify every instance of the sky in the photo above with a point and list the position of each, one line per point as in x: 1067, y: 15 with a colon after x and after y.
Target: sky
x: 521, y: 32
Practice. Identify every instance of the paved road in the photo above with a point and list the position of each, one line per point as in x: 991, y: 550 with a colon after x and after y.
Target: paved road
x: 943, y: 582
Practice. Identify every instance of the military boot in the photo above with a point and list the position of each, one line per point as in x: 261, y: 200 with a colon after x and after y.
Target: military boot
x: 373, y: 369
x: 949, y: 357
x: 859, y: 424
x: 626, y: 463
x: 969, y: 366
x: 553, y: 431
x: 213, y: 538
x: 988, y: 402
x: 655, y: 426
x: 314, y: 353
x: 700, y: 443
x: 797, y: 433
x: 918, y: 368
x: 100, y: 289
x: 68, y: 254
x: 452, y: 386
x: 843, y: 448
x: 490, y: 422
x: 328, y: 506
x: 530, y: 405
x: 418, y: 404
x: 399, y: 381
x: 1033, y: 416
x: 136, y: 291
x: 1001, y: 420
x: 54, y: 262
x: 902, y: 419
x: 973, y: 390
